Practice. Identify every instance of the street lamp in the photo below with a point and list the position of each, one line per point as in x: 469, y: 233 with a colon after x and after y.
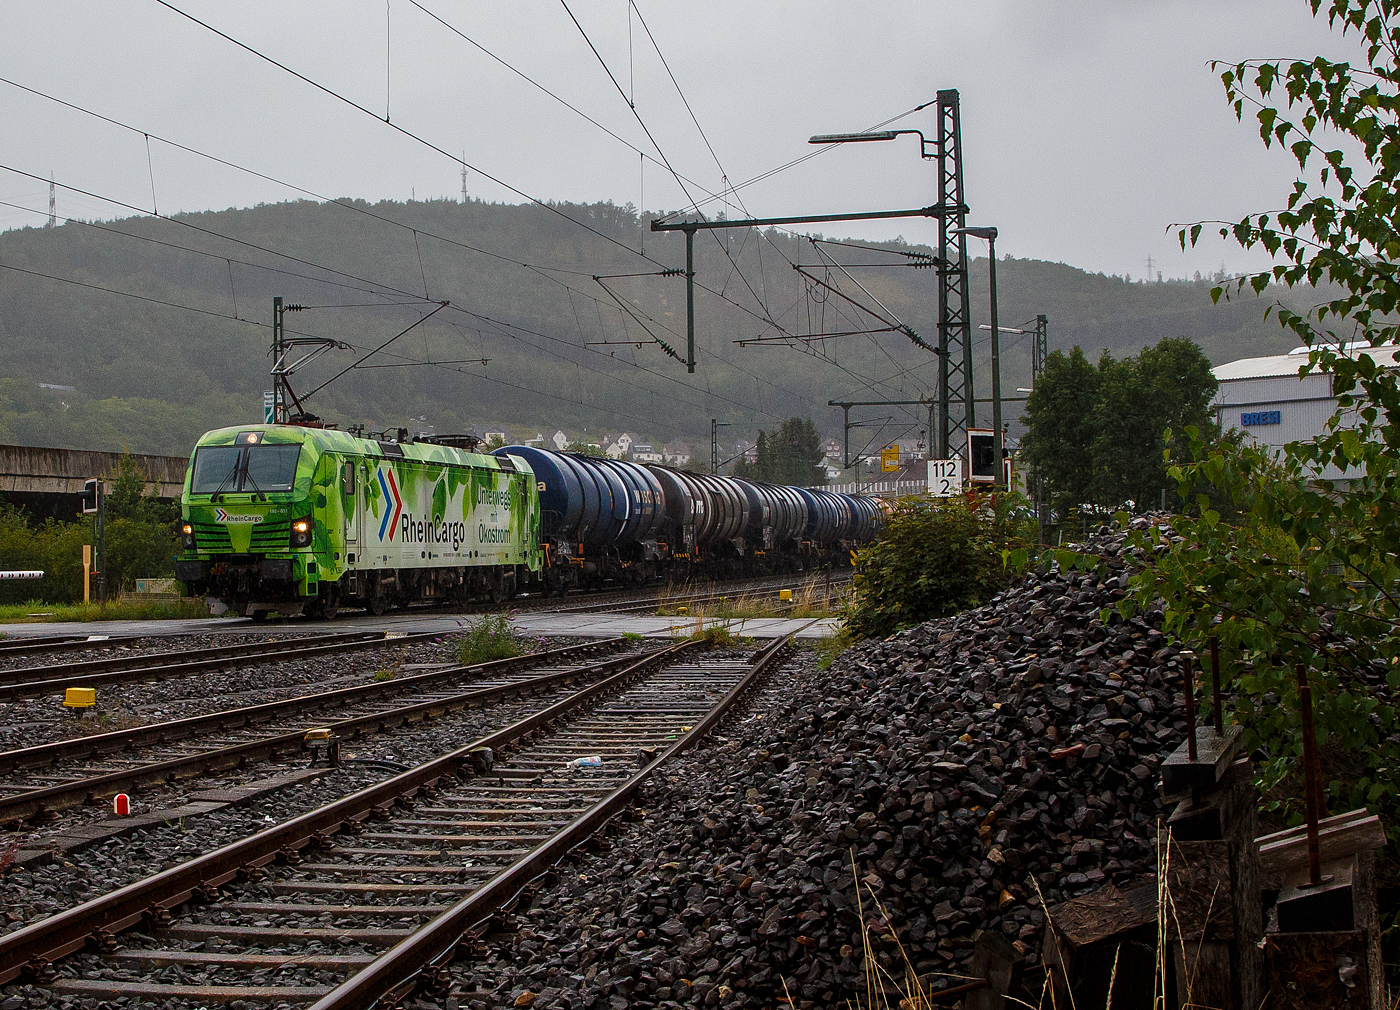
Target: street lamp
x: 990, y: 234
x: 857, y: 138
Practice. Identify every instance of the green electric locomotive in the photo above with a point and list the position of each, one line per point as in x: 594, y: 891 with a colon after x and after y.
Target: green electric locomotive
x: 292, y: 519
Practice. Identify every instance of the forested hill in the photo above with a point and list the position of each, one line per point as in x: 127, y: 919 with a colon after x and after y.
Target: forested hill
x: 191, y: 352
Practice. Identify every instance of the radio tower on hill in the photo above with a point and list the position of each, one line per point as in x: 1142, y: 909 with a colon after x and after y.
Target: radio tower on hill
x: 464, y: 177
x: 53, y: 204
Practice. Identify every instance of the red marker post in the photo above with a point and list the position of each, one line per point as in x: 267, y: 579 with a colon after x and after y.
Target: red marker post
x: 121, y: 805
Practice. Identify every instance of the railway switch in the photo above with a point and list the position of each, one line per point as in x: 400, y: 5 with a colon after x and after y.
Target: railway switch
x: 324, y: 746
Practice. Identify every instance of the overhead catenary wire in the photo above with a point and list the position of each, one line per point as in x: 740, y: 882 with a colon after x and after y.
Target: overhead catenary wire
x: 253, y: 322
x: 349, y: 206
x: 529, y: 266
x: 645, y: 129
x: 395, y: 126
x: 541, y: 270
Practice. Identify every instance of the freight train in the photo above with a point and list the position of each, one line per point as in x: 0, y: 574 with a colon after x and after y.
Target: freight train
x: 292, y: 519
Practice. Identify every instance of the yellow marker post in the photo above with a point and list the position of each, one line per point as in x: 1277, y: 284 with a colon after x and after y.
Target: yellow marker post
x: 87, y: 572
x: 784, y: 594
x: 77, y: 698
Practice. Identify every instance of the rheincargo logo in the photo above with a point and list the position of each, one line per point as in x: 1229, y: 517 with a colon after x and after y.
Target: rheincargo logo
x: 221, y: 516
x: 391, y: 493
x: 426, y: 531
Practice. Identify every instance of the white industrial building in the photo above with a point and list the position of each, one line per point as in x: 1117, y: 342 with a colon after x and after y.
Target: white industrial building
x: 1265, y: 397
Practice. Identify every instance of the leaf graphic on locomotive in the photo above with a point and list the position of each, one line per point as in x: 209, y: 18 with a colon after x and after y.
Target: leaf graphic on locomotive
x: 372, y: 496
x: 440, y: 500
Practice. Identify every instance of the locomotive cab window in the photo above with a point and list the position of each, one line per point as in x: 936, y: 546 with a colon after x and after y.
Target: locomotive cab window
x: 215, y: 466
x: 271, y: 467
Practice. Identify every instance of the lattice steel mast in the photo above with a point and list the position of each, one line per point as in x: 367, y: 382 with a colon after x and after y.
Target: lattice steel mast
x: 957, y: 410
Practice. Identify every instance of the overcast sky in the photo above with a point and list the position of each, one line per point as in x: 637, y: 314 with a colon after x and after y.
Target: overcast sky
x: 1088, y: 128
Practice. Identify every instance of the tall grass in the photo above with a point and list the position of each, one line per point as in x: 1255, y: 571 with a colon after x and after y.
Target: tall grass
x: 37, y: 612
x: 810, y: 599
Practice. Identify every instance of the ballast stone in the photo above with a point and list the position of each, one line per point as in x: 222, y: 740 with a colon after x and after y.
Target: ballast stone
x: 907, y: 797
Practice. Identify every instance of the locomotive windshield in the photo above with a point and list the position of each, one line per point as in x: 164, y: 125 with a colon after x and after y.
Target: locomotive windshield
x: 271, y: 468
x: 231, y: 468
x: 215, y: 466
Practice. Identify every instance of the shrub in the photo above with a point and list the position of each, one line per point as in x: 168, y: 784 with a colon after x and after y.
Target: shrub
x: 934, y: 557
x: 490, y: 638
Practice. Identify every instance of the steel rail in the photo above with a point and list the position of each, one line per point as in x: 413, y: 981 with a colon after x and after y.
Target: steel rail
x: 213, y: 652
x: 224, y: 657
x: 29, y: 950
x: 61, y: 643
x: 49, y: 799
x: 100, y: 745
x: 435, y: 943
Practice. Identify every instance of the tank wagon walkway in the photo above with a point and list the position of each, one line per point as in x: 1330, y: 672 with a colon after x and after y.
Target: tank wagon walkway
x: 544, y: 624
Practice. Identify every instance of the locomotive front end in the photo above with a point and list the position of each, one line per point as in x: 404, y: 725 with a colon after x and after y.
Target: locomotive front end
x: 248, y: 525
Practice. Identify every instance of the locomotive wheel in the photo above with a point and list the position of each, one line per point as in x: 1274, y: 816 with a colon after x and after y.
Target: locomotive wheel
x: 259, y: 616
x: 329, y: 604
x: 378, y: 603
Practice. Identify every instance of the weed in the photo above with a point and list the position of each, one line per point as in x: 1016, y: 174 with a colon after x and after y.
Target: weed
x: 828, y: 647
x: 717, y: 635
x: 103, y: 721
x: 632, y: 636
x: 394, y: 668
x: 492, y: 637
x: 7, y: 858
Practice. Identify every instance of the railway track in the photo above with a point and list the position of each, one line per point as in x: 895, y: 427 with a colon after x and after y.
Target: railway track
x: 41, y: 681
x: 39, y: 782
x: 699, y: 595
x: 369, y: 897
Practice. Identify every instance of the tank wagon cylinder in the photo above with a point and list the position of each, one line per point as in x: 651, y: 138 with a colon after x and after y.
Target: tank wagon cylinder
x: 789, y: 513
x: 760, y: 504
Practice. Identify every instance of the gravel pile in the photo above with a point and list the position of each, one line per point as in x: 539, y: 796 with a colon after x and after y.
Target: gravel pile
x: 950, y: 779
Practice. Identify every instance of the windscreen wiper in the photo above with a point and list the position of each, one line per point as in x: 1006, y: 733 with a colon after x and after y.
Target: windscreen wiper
x: 233, y: 472
x: 248, y: 476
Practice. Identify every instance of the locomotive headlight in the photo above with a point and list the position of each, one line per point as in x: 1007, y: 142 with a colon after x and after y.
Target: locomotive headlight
x: 187, y: 535
x: 302, y: 530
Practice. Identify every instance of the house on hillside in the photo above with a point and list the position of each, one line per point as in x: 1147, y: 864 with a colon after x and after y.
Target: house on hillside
x: 490, y: 432
x: 644, y: 453
x: 676, y: 453
x: 619, y: 446
x: 832, y: 456
x: 746, y: 450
